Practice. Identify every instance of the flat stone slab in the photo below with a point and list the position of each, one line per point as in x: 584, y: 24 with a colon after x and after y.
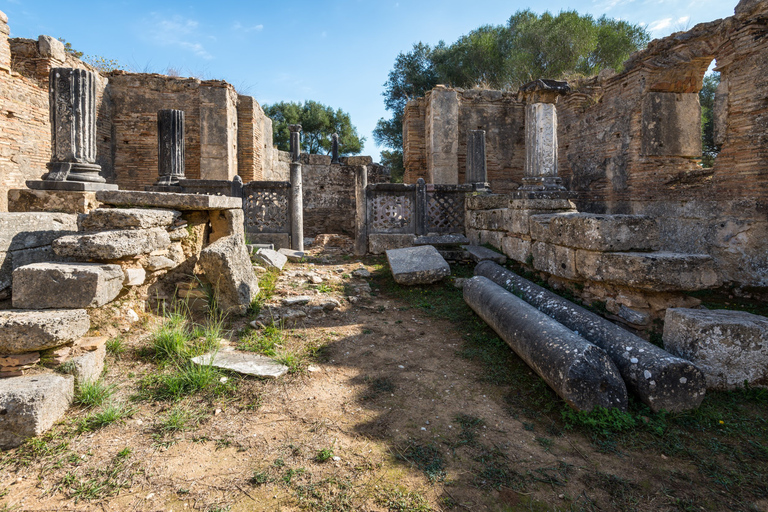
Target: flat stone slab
x: 441, y: 240
x: 294, y: 256
x: 107, y: 219
x: 657, y: 271
x: 730, y: 347
x: 417, y: 265
x: 22, y: 230
x: 271, y: 259
x: 479, y: 253
x: 71, y: 186
x: 298, y: 300
x: 169, y: 200
x: 30, y: 405
x: 65, y: 285
x: 243, y: 362
x: 381, y: 243
x: 112, y: 245
x: 23, y: 330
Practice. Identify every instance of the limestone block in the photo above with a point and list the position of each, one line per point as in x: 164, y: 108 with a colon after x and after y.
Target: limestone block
x: 51, y: 47
x: 168, y: 200
x: 492, y: 220
x: 87, y: 367
x: 608, y: 233
x: 381, y: 243
x: 657, y: 271
x: 557, y: 260
x: 473, y: 235
x: 157, y: 262
x: 417, y: 265
x: 64, y: 201
x: 27, y: 230
x: 112, y: 245
x: 270, y: 259
x: 478, y: 253
x: 441, y: 240
x: 671, y: 124
x: 543, y: 204
x: 730, y: 347
x: 134, y: 276
x: 294, y: 256
x: 65, y: 285
x: 30, y: 331
x: 108, y: 219
x: 226, y: 223
x: 487, y: 202
x: 516, y: 248
x: 278, y: 240
x: 31, y: 405
x: 492, y: 238
x: 227, y: 267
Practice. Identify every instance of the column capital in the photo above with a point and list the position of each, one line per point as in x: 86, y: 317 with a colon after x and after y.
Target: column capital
x: 542, y: 90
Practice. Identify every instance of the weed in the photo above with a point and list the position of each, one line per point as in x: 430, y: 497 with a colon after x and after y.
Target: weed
x: 600, y: 419
x: 292, y: 360
x: 377, y: 386
x: 400, y: 499
x: 427, y: 458
x: 179, y: 418
x: 92, y: 394
x: 324, y: 455
x: 111, y: 413
x: 260, y: 478
x: 267, y: 285
x: 291, y: 473
x: 186, y: 378
x: 469, y: 426
x: 116, y: 346
x: 264, y: 341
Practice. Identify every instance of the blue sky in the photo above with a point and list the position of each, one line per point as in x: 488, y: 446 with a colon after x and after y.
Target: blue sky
x: 337, y: 52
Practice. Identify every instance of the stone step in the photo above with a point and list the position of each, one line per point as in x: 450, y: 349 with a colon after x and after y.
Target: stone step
x: 25, y: 330
x: 112, y: 245
x: 65, y: 285
x: 108, y: 219
x: 478, y: 253
x: 438, y: 241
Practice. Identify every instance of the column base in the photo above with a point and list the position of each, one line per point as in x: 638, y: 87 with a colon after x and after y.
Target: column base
x: 74, y: 186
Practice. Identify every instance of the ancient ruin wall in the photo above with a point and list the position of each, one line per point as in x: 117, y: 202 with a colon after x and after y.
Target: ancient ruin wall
x: 255, y: 152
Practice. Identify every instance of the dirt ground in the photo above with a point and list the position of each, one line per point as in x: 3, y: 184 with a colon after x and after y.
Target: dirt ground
x: 383, y: 411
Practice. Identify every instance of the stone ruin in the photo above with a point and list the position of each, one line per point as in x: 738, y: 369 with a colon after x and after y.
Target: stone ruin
x: 124, y: 184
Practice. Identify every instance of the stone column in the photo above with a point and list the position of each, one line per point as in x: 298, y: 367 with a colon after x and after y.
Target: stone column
x: 72, y: 103
x: 297, y: 194
x: 361, y: 210
x: 477, y: 171
x: 335, y: 148
x: 170, y: 147
x: 541, y: 134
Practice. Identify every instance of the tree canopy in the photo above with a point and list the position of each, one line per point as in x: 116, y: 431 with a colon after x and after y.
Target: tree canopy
x: 709, y: 150
x: 318, y: 123
x: 528, y: 47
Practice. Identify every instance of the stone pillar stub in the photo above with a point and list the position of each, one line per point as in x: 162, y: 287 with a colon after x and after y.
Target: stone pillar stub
x: 335, y: 148
x: 540, y: 172
x: 170, y: 147
x: 477, y: 169
x: 297, y: 192
x: 295, y: 142
x: 443, y: 140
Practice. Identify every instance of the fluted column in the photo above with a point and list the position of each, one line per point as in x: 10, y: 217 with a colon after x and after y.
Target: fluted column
x: 170, y: 147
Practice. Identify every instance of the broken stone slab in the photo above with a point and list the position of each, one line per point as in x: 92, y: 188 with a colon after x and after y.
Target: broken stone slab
x: 417, y: 265
x: 270, y: 259
x: 87, y: 367
x: 134, y: 276
x: 659, y: 379
x: 112, y: 245
x: 109, y: 219
x: 24, y: 230
x: 30, y: 405
x: 243, y: 362
x: 294, y: 256
x: 169, y: 200
x: 227, y: 268
x: 580, y: 373
x: 65, y: 285
x: 657, y: 271
x: 298, y: 300
x: 252, y: 248
x: 730, y: 347
x: 441, y: 240
x: 29, y: 331
x: 479, y: 253
x: 277, y: 240
x: 155, y: 263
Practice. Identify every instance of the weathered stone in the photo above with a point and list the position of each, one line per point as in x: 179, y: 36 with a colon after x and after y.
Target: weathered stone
x: 294, y: 256
x: 730, y: 347
x: 65, y: 285
x: 330, y: 304
x: 633, y: 317
x: 298, y: 300
x: 417, y: 265
x: 108, y: 219
x: 477, y: 171
x: 667, y: 126
x: 112, y: 245
x: 27, y: 230
x: 134, y: 276
x: 278, y: 240
x: 606, y: 233
x: 155, y: 263
x: 243, y: 362
x: 381, y: 243
x: 29, y: 331
x: 87, y: 367
x: 168, y: 200
x: 361, y: 272
x: 24, y: 359
x: 31, y: 405
x: 285, y: 317
x: 271, y: 259
x: 657, y: 378
x: 441, y: 240
x: 657, y: 271
x: 177, y: 234
x: 51, y: 47
x: 492, y: 220
x: 554, y: 259
x: 516, y: 248
x: 578, y: 371
x: 29, y: 200
x: 227, y: 267
x: 170, y: 147
x: 487, y: 202
x: 541, y: 148
x: 478, y: 253
x: 226, y: 223
x: 547, y: 204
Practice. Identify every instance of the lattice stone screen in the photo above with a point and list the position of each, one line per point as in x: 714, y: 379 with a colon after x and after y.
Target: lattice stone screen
x: 391, y: 208
x: 267, y: 207
x: 445, y: 208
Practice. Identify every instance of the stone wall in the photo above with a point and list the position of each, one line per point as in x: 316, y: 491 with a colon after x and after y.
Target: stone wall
x: 255, y: 152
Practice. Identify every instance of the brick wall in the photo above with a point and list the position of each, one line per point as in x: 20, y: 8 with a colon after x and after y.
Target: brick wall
x: 254, y: 141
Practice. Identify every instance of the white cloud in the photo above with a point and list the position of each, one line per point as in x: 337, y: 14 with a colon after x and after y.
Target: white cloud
x: 175, y: 31
x: 239, y: 27
x: 607, y: 5
x: 661, y: 24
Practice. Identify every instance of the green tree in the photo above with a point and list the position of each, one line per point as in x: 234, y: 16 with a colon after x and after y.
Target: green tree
x: 318, y: 123
x: 528, y: 47
x: 709, y: 150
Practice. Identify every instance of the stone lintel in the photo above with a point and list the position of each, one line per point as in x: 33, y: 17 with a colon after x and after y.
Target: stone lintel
x: 542, y: 90
x: 168, y: 200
